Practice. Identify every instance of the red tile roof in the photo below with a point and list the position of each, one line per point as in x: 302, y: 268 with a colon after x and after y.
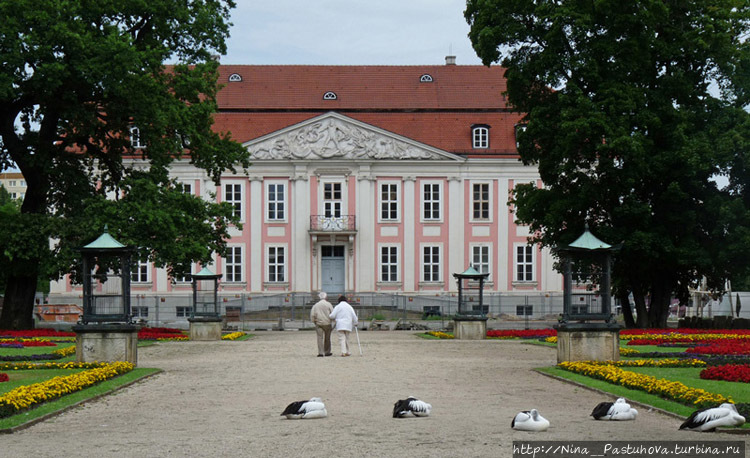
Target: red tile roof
x: 439, y: 113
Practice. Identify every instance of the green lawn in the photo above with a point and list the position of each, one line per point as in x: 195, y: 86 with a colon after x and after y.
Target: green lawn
x: 27, y: 351
x: 690, y: 376
x: 58, y: 405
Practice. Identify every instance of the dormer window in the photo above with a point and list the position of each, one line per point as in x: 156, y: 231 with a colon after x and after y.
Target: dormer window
x: 329, y: 96
x: 235, y: 78
x: 135, y: 138
x: 480, y: 135
x: 425, y: 78
x: 520, y: 128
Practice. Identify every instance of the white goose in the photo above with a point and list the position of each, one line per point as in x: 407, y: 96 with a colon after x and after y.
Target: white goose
x: 314, y: 408
x: 711, y: 418
x: 529, y: 420
x: 411, y: 405
x: 618, y: 410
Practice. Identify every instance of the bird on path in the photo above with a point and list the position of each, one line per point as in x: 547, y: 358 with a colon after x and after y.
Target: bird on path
x: 529, y: 420
x: 413, y: 406
x: 710, y: 418
x: 313, y: 408
x: 618, y: 410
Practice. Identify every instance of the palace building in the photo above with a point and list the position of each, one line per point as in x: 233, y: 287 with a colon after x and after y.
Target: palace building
x: 367, y: 179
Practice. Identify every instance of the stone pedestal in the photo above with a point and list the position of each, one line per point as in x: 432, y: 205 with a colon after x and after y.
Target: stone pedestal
x: 470, y: 328
x: 106, y: 343
x: 588, y: 342
x: 205, y: 328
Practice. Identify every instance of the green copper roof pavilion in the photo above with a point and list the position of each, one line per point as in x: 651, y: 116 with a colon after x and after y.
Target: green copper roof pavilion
x: 588, y: 241
x: 105, y: 242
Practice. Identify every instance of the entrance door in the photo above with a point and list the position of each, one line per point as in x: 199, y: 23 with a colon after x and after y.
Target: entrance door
x: 333, y: 269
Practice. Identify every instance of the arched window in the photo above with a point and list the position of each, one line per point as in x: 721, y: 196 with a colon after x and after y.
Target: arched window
x: 235, y: 78
x: 329, y: 96
x: 425, y: 78
x: 480, y: 136
x: 135, y: 138
x: 520, y: 128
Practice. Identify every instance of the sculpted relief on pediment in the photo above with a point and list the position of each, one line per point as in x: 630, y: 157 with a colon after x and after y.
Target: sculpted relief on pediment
x: 332, y: 138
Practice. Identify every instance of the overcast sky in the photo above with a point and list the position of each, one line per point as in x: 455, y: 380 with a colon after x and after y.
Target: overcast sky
x: 349, y: 32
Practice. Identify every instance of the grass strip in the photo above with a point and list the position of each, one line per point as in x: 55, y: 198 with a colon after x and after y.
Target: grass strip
x: 52, y: 408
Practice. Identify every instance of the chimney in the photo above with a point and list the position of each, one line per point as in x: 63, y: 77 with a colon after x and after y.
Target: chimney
x: 450, y: 60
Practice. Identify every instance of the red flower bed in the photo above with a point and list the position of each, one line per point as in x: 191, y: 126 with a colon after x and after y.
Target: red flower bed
x: 32, y: 343
x: 523, y: 333
x: 4, y: 377
x: 160, y: 333
x: 723, y: 347
x: 31, y: 333
x: 728, y: 372
x: 640, y: 332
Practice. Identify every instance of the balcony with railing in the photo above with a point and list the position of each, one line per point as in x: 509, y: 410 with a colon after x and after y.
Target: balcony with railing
x: 344, y: 224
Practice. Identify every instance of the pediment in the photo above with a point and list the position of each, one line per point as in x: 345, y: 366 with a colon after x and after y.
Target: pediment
x: 335, y: 136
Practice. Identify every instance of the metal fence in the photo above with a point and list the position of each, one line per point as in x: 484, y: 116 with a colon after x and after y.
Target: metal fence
x: 249, y: 311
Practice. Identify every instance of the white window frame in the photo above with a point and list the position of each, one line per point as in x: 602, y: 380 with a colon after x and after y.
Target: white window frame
x: 488, y: 202
x: 480, y: 137
x: 274, y: 206
x: 187, y: 277
x: 230, y: 260
x: 341, y: 202
x: 137, y: 311
x: 434, y: 248
x: 388, y: 204
x: 187, y: 188
x: 283, y: 266
x: 432, y: 203
x: 136, y: 139
x: 235, y: 203
x: 529, y: 251
x: 394, y: 266
x: 140, y: 272
x: 478, y: 248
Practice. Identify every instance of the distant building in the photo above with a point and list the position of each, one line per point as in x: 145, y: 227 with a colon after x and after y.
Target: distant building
x: 14, y: 183
x: 367, y: 179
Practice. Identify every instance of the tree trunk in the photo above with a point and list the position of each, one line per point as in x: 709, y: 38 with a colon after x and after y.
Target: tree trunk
x: 658, y: 312
x: 640, y: 308
x: 18, y: 305
x: 627, y: 310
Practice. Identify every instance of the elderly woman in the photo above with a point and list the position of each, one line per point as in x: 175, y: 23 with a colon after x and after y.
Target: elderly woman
x: 346, y: 319
x: 319, y: 315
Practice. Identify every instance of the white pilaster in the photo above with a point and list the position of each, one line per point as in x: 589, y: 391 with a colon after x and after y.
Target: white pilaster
x: 300, y: 214
x: 457, y: 217
x: 255, y: 271
x: 500, y: 271
x: 410, y: 199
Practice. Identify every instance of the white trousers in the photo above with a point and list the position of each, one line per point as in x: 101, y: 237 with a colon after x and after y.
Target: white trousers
x: 344, y: 341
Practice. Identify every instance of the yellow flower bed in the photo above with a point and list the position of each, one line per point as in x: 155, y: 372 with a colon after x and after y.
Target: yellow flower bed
x: 552, y: 339
x: 67, y: 351
x: 25, y: 397
x: 233, y: 336
x: 439, y: 334
x: 628, y: 352
x: 49, y: 365
x: 671, y: 390
x: 666, y: 362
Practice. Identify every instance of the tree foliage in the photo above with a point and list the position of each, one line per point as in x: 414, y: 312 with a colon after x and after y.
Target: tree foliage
x: 77, y: 75
x: 633, y: 109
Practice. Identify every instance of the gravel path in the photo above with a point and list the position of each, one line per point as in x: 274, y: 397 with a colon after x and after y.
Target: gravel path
x: 225, y: 399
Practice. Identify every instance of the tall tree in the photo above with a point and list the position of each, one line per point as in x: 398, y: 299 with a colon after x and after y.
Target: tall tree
x: 632, y: 109
x: 77, y: 76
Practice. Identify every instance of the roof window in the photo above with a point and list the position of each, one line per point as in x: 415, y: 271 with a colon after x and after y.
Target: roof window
x: 330, y: 96
x: 480, y: 136
x: 425, y: 78
x: 235, y: 78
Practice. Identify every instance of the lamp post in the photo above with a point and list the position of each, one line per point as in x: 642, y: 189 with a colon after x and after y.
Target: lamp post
x: 105, y: 332
x: 587, y: 329
x: 470, y: 324
x: 205, y: 317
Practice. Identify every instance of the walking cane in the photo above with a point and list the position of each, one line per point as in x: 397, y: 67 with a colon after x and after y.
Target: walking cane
x: 358, y: 344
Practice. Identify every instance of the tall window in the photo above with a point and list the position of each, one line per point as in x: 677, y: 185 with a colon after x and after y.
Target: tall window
x: 233, y: 264
x: 275, y: 201
x: 480, y: 194
x: 480, y: 258
x: 135, y: 138
x: 389, y: 263
x: 389, y: 201
x: 524, y: 263
x: 187, y: 188
x: 431, y: 263
x: 233, y: 196
x: 480, y: 137
x: 139, y: 273
x: 276, y: 264
x: 431, y: 201
x: 332, y: 199
x: 139, y: 311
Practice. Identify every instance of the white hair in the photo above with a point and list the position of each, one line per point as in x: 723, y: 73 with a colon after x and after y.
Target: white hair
x: 322, y: 295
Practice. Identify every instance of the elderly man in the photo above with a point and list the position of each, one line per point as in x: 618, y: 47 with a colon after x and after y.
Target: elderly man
x: 319, y: 315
